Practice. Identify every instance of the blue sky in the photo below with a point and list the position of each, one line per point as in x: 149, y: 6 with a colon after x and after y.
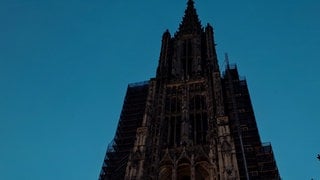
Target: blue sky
x: 65, y: 66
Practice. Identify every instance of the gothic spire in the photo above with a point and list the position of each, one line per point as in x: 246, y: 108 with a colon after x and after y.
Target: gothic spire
x: 190, y: 21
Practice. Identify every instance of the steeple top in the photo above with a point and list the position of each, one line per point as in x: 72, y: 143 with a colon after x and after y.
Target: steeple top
x: 190, y: 21
x: 190, y: 2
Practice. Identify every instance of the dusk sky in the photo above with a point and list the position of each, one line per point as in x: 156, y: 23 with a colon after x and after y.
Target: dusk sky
x: 65, y: 66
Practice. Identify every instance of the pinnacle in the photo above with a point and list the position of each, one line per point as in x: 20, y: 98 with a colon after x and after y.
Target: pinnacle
x: 190, y: 2
x: 190, y: 22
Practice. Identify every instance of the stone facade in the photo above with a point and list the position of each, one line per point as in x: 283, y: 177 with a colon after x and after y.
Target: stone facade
x: 190, y: 126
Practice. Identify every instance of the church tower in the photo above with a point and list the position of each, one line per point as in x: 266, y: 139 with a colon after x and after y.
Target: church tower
x: 190, y: 121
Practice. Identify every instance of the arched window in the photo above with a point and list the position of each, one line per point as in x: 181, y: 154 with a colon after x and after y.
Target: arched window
x: 165, y: 173
x: 184, y: 172
x: 202, y: 172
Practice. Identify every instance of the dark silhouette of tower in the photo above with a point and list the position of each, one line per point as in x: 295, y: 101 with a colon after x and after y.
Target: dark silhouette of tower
x: 190, y: 121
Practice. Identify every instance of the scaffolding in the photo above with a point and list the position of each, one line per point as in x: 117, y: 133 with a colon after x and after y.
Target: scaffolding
x: 118, y: 151
x: 256, y: 158
x: 266, y: 162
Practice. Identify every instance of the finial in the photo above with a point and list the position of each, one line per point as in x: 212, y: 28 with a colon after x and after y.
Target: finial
x: 166, y: 34
x: 190, y: 2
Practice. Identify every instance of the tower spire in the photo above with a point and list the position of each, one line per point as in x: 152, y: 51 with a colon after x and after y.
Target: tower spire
x: 190, y: 21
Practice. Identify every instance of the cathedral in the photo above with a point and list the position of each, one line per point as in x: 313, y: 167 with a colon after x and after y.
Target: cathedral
x: 191, y: 121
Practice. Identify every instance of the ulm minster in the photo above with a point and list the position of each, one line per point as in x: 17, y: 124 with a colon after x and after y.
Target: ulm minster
x: 190, y: 121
